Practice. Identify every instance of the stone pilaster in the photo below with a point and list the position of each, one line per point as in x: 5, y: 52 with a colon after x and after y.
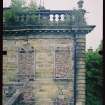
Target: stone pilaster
x: 80, y: 69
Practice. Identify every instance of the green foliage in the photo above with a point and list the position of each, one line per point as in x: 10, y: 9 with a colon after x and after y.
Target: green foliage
x: 32, y: 6
x: 34, y: 19
x: 18, y: 7
x: 94, y: 78
x: 9, y: 16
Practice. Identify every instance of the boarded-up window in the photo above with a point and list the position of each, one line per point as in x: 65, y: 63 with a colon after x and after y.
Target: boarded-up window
x: 62, y: 62
x: 26, y: 62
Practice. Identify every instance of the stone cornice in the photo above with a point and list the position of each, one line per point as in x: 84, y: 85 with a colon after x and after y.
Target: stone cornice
x: 48, y: 30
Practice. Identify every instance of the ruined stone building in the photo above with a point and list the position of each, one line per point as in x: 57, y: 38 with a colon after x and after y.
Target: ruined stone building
x: 45, y: 63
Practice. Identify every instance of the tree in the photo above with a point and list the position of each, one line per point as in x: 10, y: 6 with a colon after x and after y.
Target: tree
x: 32, y: 5
x: 15, y: 8
x: 94, y: 78
x: 17, y: 5
x: 9, y: 16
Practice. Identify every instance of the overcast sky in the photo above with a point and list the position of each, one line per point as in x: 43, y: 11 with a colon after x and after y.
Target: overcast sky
x: 94, y: 17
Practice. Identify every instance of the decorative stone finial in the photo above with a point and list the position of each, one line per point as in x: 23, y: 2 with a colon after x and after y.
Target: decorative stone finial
x: 80, y: 4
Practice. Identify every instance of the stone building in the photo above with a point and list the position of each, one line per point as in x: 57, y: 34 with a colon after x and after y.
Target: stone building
x: 48, y: 56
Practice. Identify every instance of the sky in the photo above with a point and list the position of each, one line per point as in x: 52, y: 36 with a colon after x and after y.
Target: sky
x: 93, y: 17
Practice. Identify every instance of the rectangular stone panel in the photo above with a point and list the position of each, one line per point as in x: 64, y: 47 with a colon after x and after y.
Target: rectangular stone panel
x: 26, y: 63
x: 62, y: 65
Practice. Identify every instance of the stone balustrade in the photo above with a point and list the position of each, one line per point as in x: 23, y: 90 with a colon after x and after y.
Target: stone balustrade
x: 50, y: 17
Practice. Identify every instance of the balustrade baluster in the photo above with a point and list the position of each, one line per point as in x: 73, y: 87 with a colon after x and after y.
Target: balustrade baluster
x: 59, y: 17
x: 17, y: 18
x: 21, y: 19
x: 27, y: 18
x: 64, y: 17
x: 54, y: 17
x: 24, y: 18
